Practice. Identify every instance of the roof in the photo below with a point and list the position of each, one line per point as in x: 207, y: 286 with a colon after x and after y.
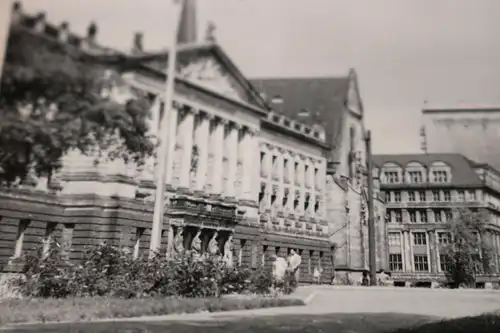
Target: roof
x: 324, y: 99
x: 462, y: 168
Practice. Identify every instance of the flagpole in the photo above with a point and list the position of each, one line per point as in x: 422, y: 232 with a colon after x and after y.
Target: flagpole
x: 159, y: 208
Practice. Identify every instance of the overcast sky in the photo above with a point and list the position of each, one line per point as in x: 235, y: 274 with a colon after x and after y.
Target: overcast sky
x: 405, y: 51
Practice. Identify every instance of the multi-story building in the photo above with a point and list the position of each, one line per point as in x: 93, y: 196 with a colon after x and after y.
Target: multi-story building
x: 421, y: 191
x: 239, y: 168
x: 335, y: 103
x: 471, y: 131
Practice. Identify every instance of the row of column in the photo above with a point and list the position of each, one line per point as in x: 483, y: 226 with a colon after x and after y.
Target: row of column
x: 286, y: 198
x: 224, y: 156
x: 430, y: 215
x: 303, y: 171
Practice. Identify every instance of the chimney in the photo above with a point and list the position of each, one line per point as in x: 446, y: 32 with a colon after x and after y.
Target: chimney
x: 63, y: 32
x: 91, y: 33
x: 40, y: 22
x: 137, y: 47
x: 17, y: 13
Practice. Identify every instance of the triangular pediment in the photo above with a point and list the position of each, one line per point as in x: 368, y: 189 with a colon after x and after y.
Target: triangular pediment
x: 209, y: 67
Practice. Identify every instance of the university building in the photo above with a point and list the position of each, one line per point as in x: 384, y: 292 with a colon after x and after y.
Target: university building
x: 241, y: 168
x: 421, y: 192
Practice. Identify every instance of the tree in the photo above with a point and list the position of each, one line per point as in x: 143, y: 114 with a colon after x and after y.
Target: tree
x: 51, y: 102
x: 468, y: 251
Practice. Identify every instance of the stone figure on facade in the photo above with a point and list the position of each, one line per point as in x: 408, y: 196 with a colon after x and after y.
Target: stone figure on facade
x: 213, y: 246
x: 196, y: 244
x: 228, y: 251
x: 179, y: 240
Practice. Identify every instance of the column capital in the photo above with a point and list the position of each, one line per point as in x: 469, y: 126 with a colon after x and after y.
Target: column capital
x: 206, y: 115
x: 250, y: 130
x: 235, y: 125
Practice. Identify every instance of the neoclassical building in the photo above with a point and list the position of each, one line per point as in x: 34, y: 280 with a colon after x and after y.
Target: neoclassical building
x: 421, y: 191
x: 240, y: 173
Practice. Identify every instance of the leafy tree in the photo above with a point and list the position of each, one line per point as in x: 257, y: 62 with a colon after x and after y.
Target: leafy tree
x: 468, y: 251
x: 51, y: 102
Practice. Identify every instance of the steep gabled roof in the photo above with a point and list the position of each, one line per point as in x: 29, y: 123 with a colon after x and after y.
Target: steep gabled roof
x: 321, y: 100
x: 462, y: 168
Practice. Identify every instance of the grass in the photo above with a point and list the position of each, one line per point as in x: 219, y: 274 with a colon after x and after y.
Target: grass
x: 338, y: 323
x: 88, y: 309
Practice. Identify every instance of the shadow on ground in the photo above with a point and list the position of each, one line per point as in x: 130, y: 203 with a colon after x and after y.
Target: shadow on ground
x: 338, y: 323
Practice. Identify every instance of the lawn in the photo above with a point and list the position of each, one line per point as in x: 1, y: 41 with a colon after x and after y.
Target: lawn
x: 89, y: 309
x: 338, y: 323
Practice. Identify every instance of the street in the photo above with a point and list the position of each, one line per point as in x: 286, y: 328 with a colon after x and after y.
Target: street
x: 339, y: 309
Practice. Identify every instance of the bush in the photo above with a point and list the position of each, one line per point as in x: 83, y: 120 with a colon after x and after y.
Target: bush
x: 105, y: 270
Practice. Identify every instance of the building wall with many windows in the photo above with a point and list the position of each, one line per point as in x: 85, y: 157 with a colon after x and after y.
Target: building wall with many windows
x: 421, y: 192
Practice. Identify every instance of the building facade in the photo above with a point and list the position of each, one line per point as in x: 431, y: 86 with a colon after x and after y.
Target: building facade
x: 335, y: 103
x: 472, y: 132
x: 237, y: 171
x: 421, y: 192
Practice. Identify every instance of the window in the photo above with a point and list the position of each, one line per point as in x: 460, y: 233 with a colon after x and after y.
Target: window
x: 18, y: 249
x: 397, y: 196
x: 399, y: 216
x: 296, y: 172
x: 439, y: 176
x: 388, y: 216
x: 391, y: 177
x: 421, y: 263
x: 447, y: 195
x: 448, y: 215
x: 421, y: 196
x: 423, y: 216
x: 286, y: 172
x: 419, y: 238
x: 137, y: 245
x: 437, y: 215
x: 396, y: 262
x: 471, y: 195
x: 444, y: 263
x: 394, y: 239
x: 444, y: 238
x: 47, y: 239
x: 306, y: 174
x: 413, y: 216
x: 274, y: 164
x: 411, y: 196
x: 435, y: 195
x: 316, y: 177
x: 415, y: 176
x: 461, y: 196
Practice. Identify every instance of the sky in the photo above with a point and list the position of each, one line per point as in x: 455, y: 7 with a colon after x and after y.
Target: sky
x: 406, y: 52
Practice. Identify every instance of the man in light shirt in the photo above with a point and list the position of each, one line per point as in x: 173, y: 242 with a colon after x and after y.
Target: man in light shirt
x: 294, y: 261
x: 279, y: 268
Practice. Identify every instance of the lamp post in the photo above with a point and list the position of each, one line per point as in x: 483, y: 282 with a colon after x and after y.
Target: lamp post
x: 159, y: 208
x: 371, y: 216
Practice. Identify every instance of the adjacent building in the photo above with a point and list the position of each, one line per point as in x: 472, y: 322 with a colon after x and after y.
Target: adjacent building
x: 244, y: 166
x: 471, y: 131
x: 421, y: 191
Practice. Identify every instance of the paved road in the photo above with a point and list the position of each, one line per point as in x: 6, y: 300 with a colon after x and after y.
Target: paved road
x: 438, y: 302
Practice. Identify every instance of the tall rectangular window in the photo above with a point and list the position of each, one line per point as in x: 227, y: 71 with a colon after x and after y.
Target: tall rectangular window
x: 444, y: 264
x: 21, y: 229
x: 421, y: 263
x: 137, y: 242
x: 47, y: 239
x: 396, y: 262
x: 411, y: 196
x: 419, y: 238
x: 421, y: 196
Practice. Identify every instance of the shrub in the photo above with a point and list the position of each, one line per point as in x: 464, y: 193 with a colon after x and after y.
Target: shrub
x: 105, y: 270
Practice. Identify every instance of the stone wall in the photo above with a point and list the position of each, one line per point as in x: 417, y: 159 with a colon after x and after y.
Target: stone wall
x: 78, y: 221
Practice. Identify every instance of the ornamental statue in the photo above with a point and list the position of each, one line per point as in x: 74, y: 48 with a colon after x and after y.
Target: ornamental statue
x: 228, y: 251
x: 196, y: 244
x: 213, y: 247
x: 179, y: 240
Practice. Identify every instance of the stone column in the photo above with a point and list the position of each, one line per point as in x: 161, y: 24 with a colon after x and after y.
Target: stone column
x: 218, y: 155
x: 187, y: 131
x: 202, y: 140
x: 433, y: 257
x: 230, y: 190
x: 172, y: 135
x: 408, y: 267
x: 246, y: 146
x: 313, y: 188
